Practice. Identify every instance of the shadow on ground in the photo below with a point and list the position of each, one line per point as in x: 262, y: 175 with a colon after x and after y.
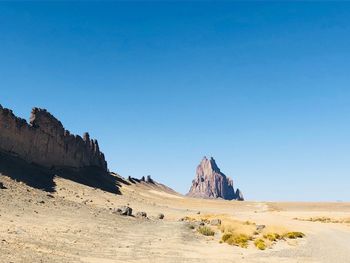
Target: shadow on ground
x: 93, y: 177
x: 32, y: 175
x: 42, y: 178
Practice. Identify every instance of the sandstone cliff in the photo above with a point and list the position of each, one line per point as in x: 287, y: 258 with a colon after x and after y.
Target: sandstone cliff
x: 45, y: 142
x: 210, y: 182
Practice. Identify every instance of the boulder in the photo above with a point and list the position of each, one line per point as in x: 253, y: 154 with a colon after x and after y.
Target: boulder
x: 215, y: 222
x: 260, y: 227
x: 141, y: 214
x: 160, y: 216
x: 124, y: 211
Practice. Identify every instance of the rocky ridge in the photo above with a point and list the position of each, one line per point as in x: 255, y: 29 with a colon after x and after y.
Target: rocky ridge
x: 210, y: 182
x: 45, y: 142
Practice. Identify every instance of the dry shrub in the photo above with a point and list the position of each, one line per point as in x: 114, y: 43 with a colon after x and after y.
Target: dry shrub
x: 205, y: 230
x: 239, y: 240
x: 272, y: 236
x: 324, y: 219
x: 260, y: 244
x: 294, y: 235
x: 240, y: 233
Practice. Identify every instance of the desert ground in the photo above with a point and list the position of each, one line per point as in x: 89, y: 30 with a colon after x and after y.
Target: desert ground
x: 74, y: 222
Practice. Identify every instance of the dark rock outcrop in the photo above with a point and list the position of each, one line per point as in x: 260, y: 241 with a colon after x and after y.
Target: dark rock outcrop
x: 239, y: 195
x: 160, y: 216
x: 210, y: 182
x: 141, y: 214
x: 124, y: 211
x: 149, y: 179
x: 45, y: 142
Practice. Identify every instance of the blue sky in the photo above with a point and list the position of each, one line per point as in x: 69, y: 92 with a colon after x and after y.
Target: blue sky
x: 261, y: 86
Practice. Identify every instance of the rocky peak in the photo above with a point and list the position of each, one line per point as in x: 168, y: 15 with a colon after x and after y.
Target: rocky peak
x: 210, y: 182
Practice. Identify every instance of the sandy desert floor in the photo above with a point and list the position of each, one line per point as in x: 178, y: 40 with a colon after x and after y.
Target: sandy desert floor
x: 74, y: 223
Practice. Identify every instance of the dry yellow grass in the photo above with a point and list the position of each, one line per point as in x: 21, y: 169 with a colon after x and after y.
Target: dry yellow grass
x: 239, y: 240
x: 294, y: 235
x: 207, y: 231
x: 240, y: 233
x: 323, y: 219
x: 272, y: 236
x: 260, y: 244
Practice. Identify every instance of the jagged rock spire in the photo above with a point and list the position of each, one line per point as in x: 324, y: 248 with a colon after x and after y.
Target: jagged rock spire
x: 210, y: 182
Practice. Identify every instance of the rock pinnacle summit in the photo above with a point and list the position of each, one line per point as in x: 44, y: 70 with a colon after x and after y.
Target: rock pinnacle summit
x: 210, y: 182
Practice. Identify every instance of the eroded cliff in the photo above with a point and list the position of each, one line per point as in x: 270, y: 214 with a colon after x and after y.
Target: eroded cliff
x: 44, y: 141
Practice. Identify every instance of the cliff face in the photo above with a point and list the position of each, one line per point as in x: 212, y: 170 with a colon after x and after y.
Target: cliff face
x: 210, y: 182
x: 44, y: 141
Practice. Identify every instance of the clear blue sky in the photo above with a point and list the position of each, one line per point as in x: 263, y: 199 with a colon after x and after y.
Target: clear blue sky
x: 263, y: 87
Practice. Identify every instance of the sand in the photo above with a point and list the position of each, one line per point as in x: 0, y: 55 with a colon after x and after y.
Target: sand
x: 75, y: 223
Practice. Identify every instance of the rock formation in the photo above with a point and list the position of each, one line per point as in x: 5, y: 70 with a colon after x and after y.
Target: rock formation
x: 45, y: 142
x: 149, y: 179
x: 210, y: 182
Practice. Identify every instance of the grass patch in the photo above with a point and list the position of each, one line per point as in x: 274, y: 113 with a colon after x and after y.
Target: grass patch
x: 272, y: 236
x: 260, y: 244
x: 242, y: 233
x: 205, y: 230
x: 226, y: 236
x: 323, y: 219
x: 239, y: 240
x: 294, y: 235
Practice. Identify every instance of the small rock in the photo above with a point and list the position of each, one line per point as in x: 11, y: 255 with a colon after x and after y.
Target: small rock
x: 160, y: 216
x: 2, y: 186
x: 215, y: 222
x: 141, y: 214
x: 199, y: 212
x: 260, y: 227
x: 124, y: 211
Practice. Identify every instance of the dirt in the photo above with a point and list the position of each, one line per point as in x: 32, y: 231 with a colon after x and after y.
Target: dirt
x: 74, y: 223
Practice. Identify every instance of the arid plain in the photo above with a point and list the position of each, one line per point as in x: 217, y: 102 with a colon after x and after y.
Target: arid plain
x: 73, y: 222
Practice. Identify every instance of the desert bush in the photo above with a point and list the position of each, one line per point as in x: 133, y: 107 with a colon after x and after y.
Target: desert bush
x: 324, y: 219
x: 294, y: 235
x: 272, y: 236
x: 205, y: 230
x: 260, y: 244
x: 226, y: 236
x: 239, y: 240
